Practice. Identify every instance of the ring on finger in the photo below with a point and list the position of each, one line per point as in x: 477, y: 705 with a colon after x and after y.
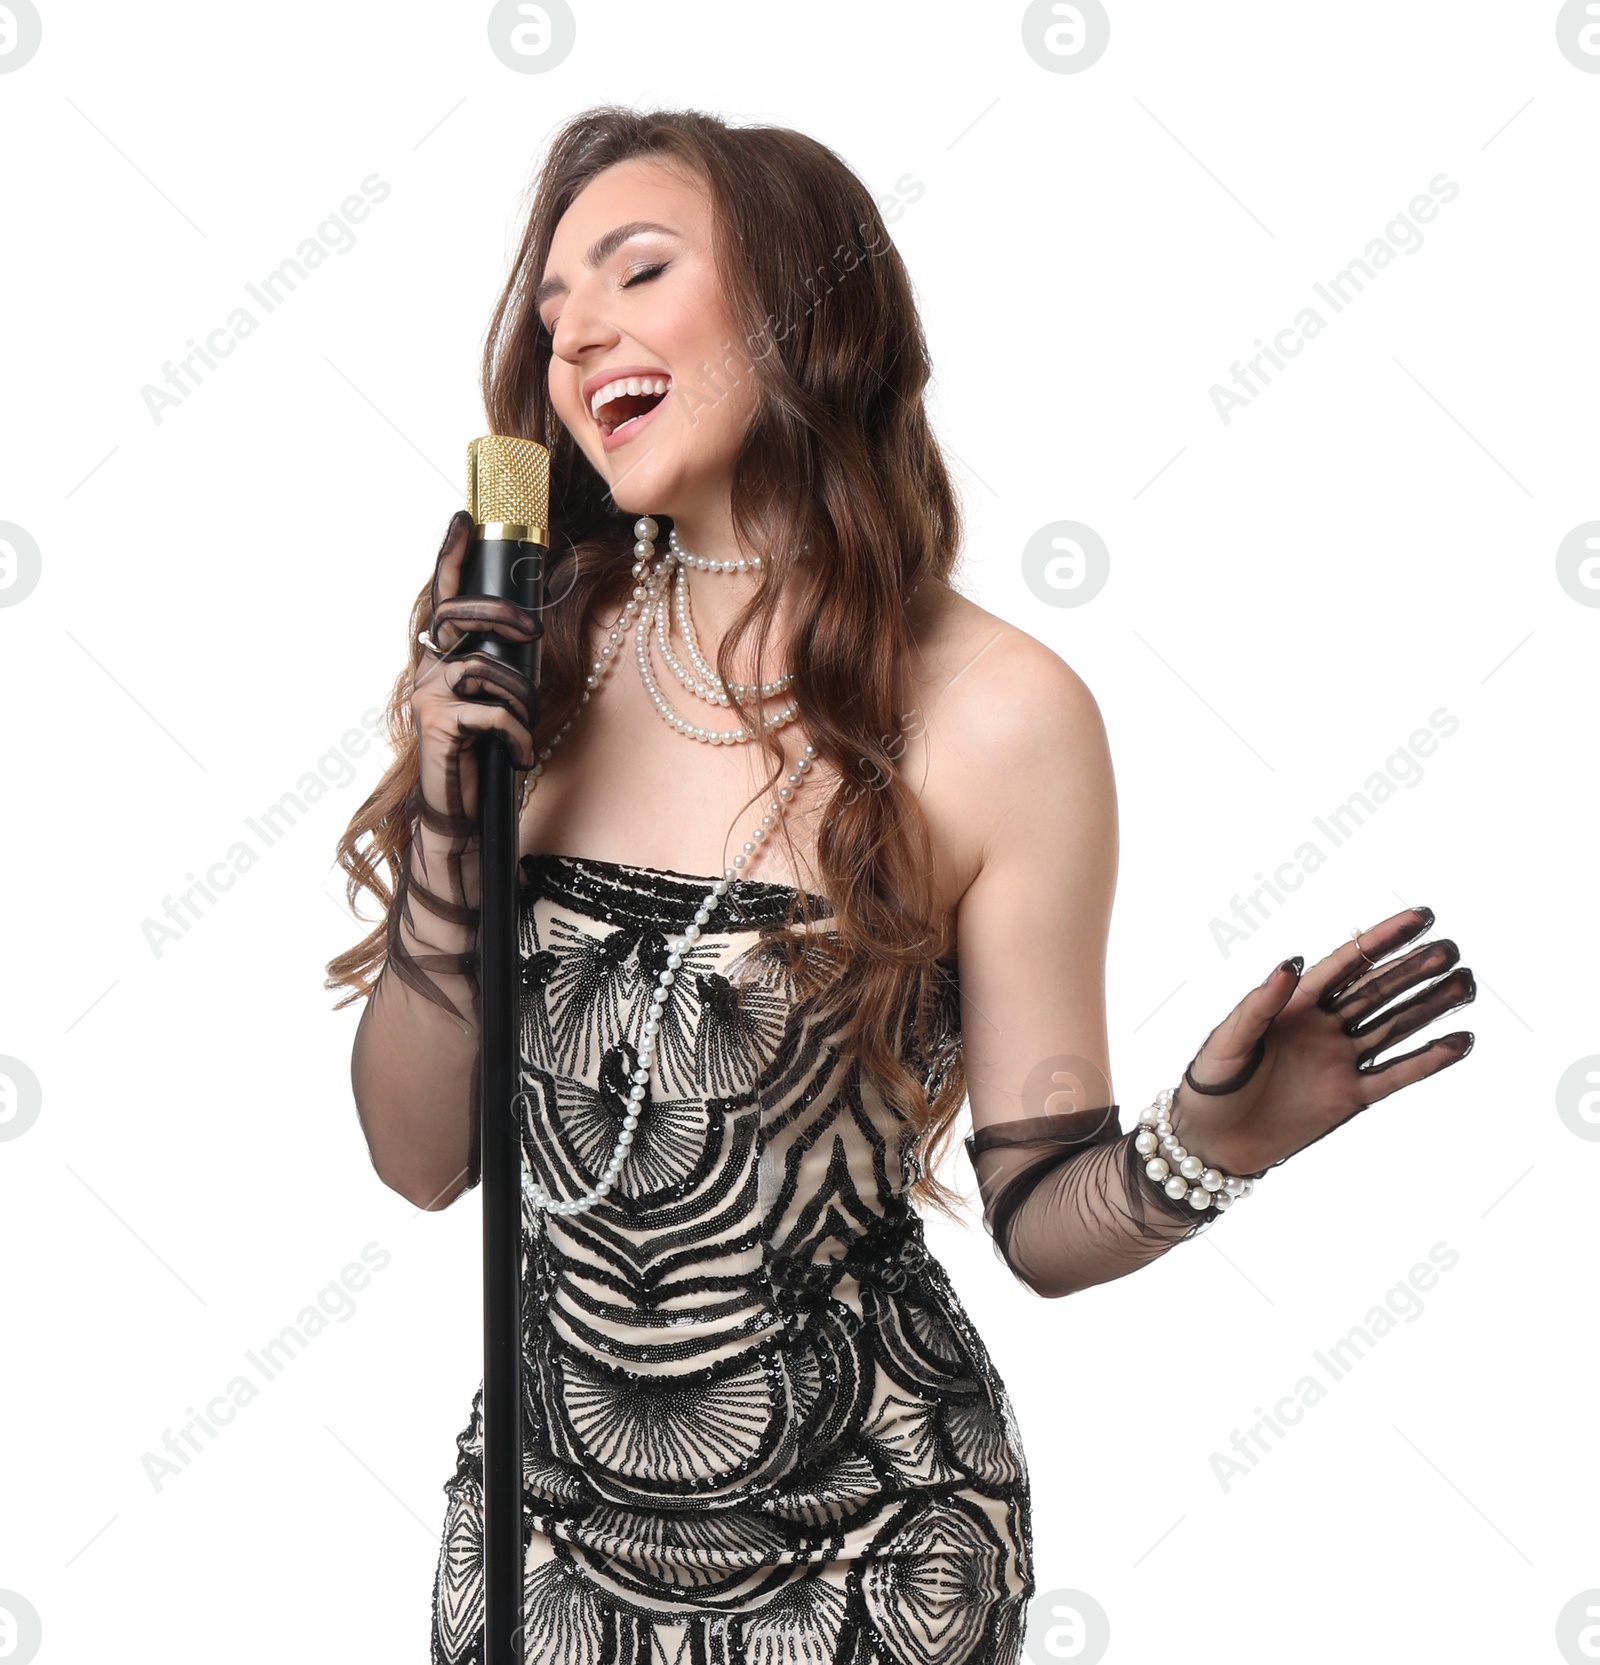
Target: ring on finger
x: 428, y: 642
x: 1356, y: 935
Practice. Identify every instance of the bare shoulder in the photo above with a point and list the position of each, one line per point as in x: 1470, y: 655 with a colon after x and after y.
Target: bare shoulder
x: 1008, y: 729
x: 962, y: 644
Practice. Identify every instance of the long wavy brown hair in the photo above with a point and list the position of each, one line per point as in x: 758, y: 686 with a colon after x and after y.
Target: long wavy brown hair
x: 840, y: 460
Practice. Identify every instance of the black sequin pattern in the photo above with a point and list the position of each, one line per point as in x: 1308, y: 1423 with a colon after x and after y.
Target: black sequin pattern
x: 759, y: 1427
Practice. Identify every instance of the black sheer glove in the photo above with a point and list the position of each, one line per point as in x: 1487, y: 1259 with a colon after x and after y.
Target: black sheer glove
x: 457, y: 697
x: 433, y: 923
x: 1067, y: 1201
x: 1065, y: 1195
x: 1297, y: 1057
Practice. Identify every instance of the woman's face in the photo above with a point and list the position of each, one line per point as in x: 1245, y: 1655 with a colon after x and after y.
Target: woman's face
x: 650, y: 307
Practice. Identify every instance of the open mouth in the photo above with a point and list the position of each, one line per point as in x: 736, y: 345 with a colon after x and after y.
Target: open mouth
x: 624, y: 412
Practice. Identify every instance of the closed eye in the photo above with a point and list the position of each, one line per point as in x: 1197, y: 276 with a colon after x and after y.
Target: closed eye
x: 641, y: 274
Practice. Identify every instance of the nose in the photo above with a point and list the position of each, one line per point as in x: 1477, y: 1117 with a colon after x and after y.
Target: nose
x: 581, y: 328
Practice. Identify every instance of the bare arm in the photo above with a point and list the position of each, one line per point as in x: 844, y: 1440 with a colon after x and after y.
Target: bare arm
x: 1065, y: 1190
x: 1062, y: 1196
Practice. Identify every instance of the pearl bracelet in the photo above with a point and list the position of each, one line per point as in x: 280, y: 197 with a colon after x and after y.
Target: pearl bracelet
x: 1178, y: 1173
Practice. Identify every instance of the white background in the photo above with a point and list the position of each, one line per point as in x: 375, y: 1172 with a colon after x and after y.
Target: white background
x: 1291, y: 594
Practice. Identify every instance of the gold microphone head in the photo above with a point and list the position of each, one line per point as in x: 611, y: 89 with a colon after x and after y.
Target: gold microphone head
x: 508, y: 488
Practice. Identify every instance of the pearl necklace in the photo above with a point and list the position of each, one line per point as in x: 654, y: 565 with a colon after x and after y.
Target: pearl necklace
x: 654, y: 618
x: 712, y: 688
x: 645, y: 530
x: 753, y: 564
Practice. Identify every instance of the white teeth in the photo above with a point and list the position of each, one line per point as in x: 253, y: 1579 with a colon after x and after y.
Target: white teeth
x: 625, y: 385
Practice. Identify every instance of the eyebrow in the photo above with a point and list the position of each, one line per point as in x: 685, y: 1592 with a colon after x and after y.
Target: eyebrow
x: 601, y: 249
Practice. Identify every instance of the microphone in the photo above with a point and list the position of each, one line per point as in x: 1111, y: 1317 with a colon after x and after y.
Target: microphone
x: 508, y: 497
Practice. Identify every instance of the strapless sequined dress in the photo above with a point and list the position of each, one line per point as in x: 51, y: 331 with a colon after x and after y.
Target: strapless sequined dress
x: 759, y: 1426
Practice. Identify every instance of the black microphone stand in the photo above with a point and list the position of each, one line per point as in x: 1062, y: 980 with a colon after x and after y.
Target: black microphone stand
x: 514, y: 569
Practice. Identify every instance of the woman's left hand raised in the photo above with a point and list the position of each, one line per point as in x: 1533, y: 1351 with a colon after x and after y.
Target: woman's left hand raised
x: 1313, y: 1038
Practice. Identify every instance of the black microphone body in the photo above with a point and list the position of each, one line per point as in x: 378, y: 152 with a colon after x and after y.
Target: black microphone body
x: 507, y: 557
x: 516, y: 570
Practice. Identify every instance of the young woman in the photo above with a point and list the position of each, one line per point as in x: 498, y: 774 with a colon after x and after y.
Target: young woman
x: 760, y: 1426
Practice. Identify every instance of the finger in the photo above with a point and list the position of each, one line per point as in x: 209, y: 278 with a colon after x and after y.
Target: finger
x: 476, y: 720
x: 1236, y: 1041
x: 430, y: 670
x: 1428, y: 1059
x: 432, y: 680
x: 489, y: 612
x: 447, y: 563
x: 1367, y: 949
x: 1333, y: 972
x: 1458, y: 989
x: 1378, y: 988
x: 480, y: 678
x: 482, y: 615
x: 1250, y: 1018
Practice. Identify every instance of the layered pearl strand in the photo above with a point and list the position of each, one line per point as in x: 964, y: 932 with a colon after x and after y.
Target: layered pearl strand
x: 1178, y: 1173
x: 744, y: 563
x: 645, y: 596
x: 709, y: 686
